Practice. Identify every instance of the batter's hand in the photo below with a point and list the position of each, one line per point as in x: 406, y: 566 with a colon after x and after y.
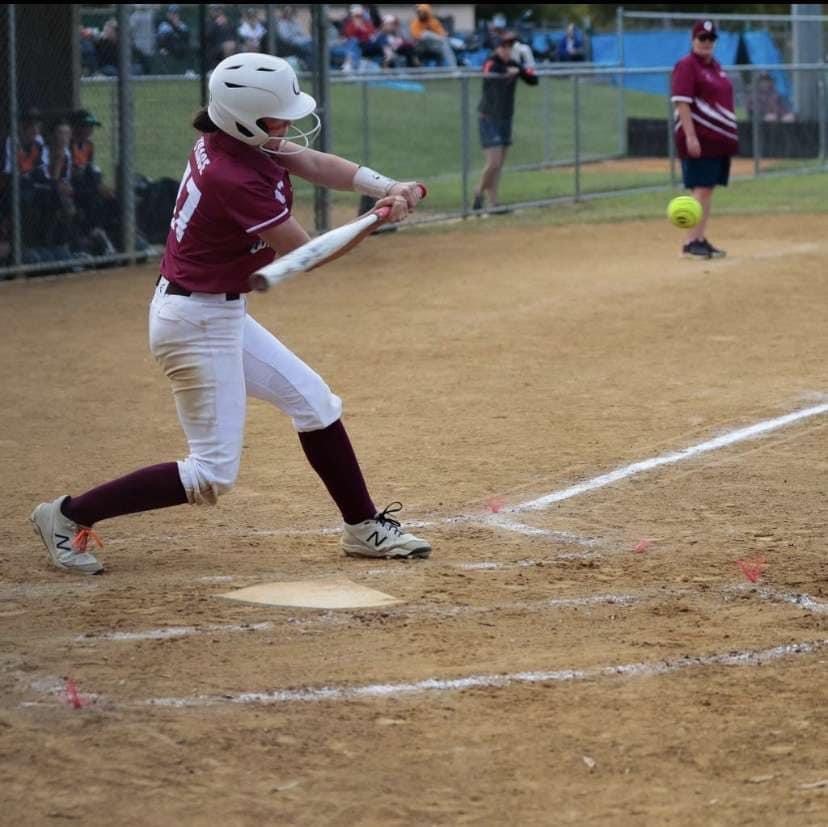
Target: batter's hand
x: 398, y: 205
x: 411, y: 191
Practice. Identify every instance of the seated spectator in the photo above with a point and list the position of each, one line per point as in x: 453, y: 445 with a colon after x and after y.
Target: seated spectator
x: 219, y: 35
x: 142, y: 27
x: 251, y: 31
x: 88, y: 53
x: 106, y: 49
x: 396, y: 50
x: 36, y: 194
x: 771, y: 106
x: 339, y: 47
x: 571, y: 45
x: 294, y: 40
x: 359, y: 29
x: 94, y: 200
x: 62, y: 228
x: 430, y: 38
x: 173, y: 36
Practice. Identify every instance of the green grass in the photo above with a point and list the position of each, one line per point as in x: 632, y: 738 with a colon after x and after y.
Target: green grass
x: 412, y: 134
x: 418, y: 135
x: 761, y: 196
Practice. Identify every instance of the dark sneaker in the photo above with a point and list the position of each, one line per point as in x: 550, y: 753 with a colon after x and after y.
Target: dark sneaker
x: 477, y: 204
x: 695, y: 249
x: 715, y: 252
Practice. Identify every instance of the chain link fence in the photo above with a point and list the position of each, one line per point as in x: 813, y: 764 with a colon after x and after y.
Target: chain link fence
x: 126, y: 104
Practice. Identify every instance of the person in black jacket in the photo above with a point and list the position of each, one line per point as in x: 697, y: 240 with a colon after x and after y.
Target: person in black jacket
x: 496, y: 109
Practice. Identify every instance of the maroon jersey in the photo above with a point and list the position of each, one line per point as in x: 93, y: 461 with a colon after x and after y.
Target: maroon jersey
x: 229, y: 194
x: 709, y: 92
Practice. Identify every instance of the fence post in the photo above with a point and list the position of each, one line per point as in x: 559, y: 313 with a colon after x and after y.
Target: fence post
x: 576, y: 124
x: 547, y: 119
x: 671, y: 143
x: 821, y: 115
x: 126, y: 154
x: 14, y: 117
x: 622, y: 114
x: 464, y: 141
x: 754, y: 123
x: 366, y: 125
x: 270, y: 23
x: 321, y: 91
x: 202, y: 53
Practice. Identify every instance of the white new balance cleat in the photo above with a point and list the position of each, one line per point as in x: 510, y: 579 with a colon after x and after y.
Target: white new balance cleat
x: 383, y: 538
x: 64, y: 540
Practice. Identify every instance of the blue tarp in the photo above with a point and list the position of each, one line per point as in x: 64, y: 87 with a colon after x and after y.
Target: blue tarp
x: 660, y: 48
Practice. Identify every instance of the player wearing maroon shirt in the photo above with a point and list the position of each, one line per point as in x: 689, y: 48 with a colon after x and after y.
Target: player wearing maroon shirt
x: 705, y: 129
x: 232, y: 216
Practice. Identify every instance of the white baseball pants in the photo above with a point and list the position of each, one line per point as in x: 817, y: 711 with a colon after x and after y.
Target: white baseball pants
x: 215, y: 355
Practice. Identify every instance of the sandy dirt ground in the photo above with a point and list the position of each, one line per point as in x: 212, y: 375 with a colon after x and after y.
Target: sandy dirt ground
x: 602, y: 658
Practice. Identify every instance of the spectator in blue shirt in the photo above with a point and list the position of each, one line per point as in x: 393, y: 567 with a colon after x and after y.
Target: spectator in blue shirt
x: 571, y: 45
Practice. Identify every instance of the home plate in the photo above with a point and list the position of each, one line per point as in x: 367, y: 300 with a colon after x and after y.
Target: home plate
x: 325, y: 593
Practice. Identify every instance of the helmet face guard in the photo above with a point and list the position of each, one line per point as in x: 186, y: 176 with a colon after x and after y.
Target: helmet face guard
x: 247, y: 88
x: 295, y: 139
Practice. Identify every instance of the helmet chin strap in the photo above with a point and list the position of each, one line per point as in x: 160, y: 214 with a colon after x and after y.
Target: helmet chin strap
x: 294, y: 140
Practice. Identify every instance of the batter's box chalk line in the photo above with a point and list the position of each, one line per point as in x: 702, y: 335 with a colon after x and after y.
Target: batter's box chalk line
x: 502, y: 521
x: 391, y: 690
x: 807, y: 602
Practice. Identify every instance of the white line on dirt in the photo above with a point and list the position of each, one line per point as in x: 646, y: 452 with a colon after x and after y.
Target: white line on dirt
x: 502, y: 521
x: 626, y: 471
x: 386, y: 690
x: 804, y: 600
x: 174, y: 632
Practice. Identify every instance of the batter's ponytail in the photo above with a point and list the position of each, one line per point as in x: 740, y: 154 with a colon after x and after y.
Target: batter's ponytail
x: 203, y: 123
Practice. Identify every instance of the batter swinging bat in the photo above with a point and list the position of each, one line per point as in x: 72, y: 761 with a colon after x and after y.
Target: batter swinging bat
x: 316, y: 250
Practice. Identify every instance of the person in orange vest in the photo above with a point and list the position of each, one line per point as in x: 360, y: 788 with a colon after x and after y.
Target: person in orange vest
x: 430, y: 36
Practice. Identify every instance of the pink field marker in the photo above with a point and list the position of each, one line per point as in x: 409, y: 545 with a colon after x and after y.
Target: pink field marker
x: 752, y: 567
x: 72, y: 694
x: 494, y: 504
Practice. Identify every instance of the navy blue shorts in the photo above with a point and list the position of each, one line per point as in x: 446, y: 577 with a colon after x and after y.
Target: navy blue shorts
x: 494, y: 132
x: 705, y: 172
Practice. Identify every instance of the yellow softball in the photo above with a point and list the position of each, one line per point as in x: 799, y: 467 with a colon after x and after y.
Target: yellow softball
x: 684, y: 211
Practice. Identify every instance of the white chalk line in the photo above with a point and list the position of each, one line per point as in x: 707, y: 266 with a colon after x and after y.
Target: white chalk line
x: 390, y: 690
x: 635, y: 468
x: 501, y: 521
x: 170, y: 632
x: 805, y: 601
x: 341, y: 617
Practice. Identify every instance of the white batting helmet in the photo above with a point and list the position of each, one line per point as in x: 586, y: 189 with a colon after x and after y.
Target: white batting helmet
x: 247, y: 87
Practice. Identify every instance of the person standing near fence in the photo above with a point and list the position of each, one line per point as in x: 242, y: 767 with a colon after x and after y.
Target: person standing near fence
x: 495, y: 112
x: 232, y: 215
x: 705, y: 128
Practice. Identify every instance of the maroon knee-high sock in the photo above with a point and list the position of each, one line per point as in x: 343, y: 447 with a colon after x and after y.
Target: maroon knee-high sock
x: 331, y: 455
x: 158, y: 486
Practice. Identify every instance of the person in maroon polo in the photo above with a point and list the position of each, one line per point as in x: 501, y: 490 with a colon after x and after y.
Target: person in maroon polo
x: 233, y: 215
x: 705, y: 128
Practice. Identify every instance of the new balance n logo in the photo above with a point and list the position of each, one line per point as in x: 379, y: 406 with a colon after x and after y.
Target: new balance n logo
x: 64, y: 544
x: 376, y: 539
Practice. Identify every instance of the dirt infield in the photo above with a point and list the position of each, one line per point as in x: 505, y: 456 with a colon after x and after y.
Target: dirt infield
x: 582, y: 647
